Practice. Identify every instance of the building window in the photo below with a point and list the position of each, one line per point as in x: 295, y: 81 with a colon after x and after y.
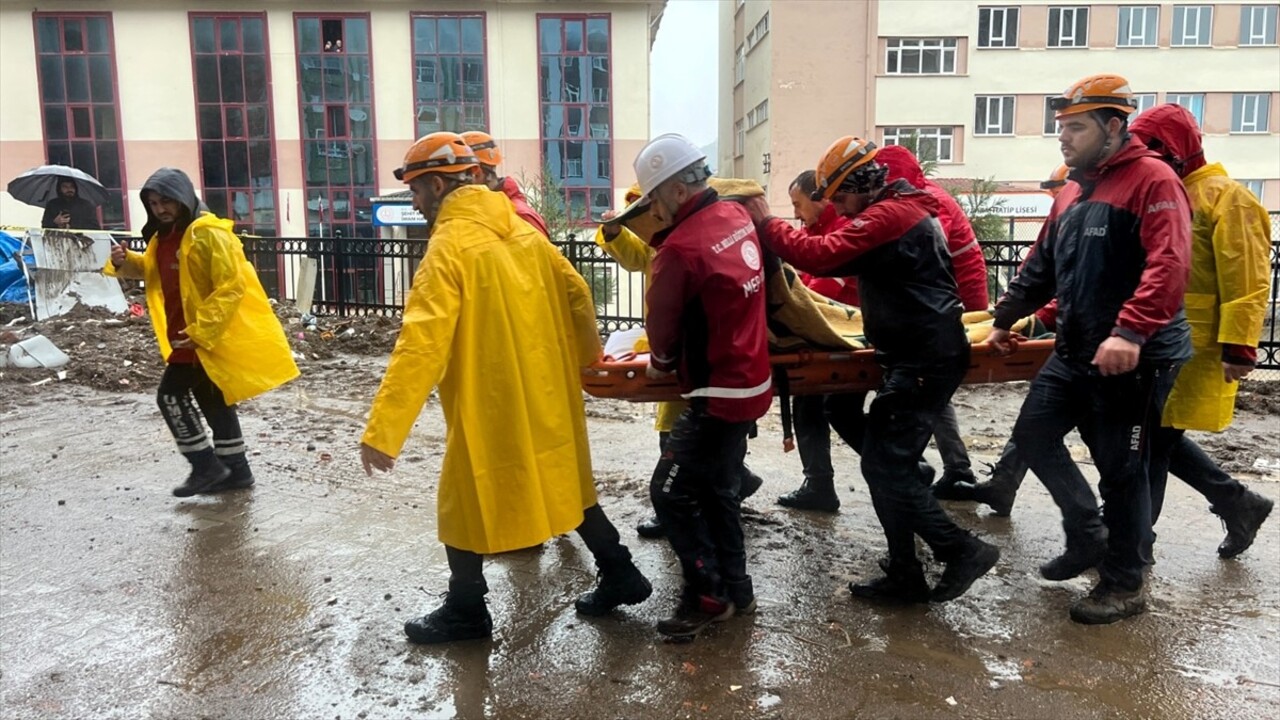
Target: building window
x: 1191, y: 101
x: 1254, y: 186
x: 1051, y: 126
x: 994, y: 115
x: 449, y: 73
x: 758, y: 115
x: 1145, y: 102
x: 1258, y: 25
x: 1137, y: 26
x: 76, y: 71
x: 1249, y: 112
x: 998, y: 27
x: 739, y: 139
x: 920, y: 56
x: 739, y: 65
x: 1068, y: 27
x: 758, y: 32
x: 233, y: 117
x: 575, y: 95
x: 932, y: 143
x: 1192, y: 25
x: 335, y: 98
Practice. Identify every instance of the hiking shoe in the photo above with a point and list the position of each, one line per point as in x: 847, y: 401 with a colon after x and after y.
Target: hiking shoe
x: 960, y: 573
x: 651, y: 528
x: 239, y: 479
x: 1242, y: 520
x: 449, y: 623
x: 1103, y: 606
x: 955, y: 485
x: 997, y: 496
x: 203, y: 479
x: 810, y: 497
x: 1074, y: 561
x: 751, y: 482
x: 693, y: 616
x: 900, y: 587
x: 626, y: 586
x: 743, y: 596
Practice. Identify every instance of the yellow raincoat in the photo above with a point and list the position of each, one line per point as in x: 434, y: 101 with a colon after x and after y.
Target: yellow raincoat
x: 1226, y: 294
x: 503, y: 324
x: 238, y: 338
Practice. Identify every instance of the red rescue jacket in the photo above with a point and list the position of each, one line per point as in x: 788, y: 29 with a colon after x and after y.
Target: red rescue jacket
x: 523, y: 209
x: 840, y: 289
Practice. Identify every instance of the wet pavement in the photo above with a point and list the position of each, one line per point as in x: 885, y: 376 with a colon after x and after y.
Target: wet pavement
x: 286, y: 601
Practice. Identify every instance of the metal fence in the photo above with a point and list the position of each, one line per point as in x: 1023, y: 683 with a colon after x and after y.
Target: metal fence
x: 357, y: 276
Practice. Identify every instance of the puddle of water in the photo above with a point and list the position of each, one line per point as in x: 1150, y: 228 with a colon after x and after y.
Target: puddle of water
x: 768, y: 700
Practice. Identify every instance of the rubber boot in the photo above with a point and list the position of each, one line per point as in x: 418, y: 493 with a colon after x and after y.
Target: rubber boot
x: 622, y: 584
x: 463, y: 616
x: 814, y: 494
x: 241, y: 474
x: 207, y: 471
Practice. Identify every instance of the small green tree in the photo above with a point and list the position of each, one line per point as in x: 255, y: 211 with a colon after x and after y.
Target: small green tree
x: 569, y: 232
x: 982, y: 207
x: 927, y: 155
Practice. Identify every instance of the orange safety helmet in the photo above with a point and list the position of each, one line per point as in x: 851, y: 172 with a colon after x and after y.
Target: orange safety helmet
x: 1057, y: 179
x: 439, y: 152
x: 484, y: 146
x: 842, y: 158
x: 1095, y: 92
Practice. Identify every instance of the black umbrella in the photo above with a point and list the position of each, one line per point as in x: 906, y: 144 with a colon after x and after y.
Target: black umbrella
x: 38, y: 186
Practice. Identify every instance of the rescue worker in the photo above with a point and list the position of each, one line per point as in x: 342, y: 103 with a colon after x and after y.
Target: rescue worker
x: 1058, y: 180
x: 1115, y: 253
x: 706, y: 325
x: 812, y: 428
x: 1226, y: 304
x: 970, y: 270
x: 490, y: 157
x: 896, y: 248
x: 219, y: 337
x: 503, y: 324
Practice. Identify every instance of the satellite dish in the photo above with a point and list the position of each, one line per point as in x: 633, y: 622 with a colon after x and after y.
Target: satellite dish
x: 358, y: 115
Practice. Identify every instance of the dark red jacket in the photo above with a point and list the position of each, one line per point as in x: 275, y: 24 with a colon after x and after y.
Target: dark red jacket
x: 843, y: 289
x: 966, y: 255
x: 706, y: 316
x: 1115, y: 251
x: 523, y: 209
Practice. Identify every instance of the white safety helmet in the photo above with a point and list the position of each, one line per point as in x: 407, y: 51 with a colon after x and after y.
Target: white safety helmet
x: 665, y: 157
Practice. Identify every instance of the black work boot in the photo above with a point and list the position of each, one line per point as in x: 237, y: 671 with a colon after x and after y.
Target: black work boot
x: 955, y: 485
x: 651, y: 528
x: 814, y: 494
x: 695, y: 614
x: 742, y: 594
x: 1080, y: 556
x: 454, y: 620
x: 207, y: 471
x: 1242, y: 519
x: 241, y: 475
x: 902, y: 583
x: 750, y: 483
x: 623, y: 585
x: 997, y: 495
x: 1104, y: 605
x: 977, y: 560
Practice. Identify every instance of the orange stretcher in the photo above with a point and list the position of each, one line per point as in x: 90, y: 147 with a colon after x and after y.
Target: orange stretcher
x: 816, y: 373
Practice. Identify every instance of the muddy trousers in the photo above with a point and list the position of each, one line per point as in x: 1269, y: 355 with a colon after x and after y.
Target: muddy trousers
x: 1116, y: 417
x: 1177, y: 455
x: 694, y: 491
x: 899, y: 425
x: 185, y: 393
x: 467, y: 586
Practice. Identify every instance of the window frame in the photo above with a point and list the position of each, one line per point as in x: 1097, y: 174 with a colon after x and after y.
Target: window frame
x: 758, y: 115
x: 1174, y: 97
x: 1012, y: 115
x: 1251, y: 183
x: 740, y: 65
x: 1268, y: 22
x: 757, y: 32
x: 739, y: 137
x: 1004, y: 11
x: 1261, y: 108
x: 921, y: 46
x: 461, y: 56
x: 919, y: 131
x: 1155, y: 36
x: 1181, y: 12
x: 1075, y: 11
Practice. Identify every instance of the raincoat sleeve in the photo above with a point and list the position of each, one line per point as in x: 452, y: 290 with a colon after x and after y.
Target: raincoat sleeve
x: 131, y: 269
x: 1242, y: 254
x: 422, y: 350
x: 582, y: 307
x: 1036, y: 281
x: 221, y: 250
x: 627, y: 249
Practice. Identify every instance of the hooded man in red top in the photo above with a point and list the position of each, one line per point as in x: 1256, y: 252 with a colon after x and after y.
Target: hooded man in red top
x: 895, y: 246
x: 706, y: 325
x: 490, y: 157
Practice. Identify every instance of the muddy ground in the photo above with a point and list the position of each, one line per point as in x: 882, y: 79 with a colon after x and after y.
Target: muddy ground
x: 286, y: 601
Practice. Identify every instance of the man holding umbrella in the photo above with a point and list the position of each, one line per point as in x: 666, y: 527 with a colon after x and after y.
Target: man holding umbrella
x: 68, y: 210
x: 69, y: 196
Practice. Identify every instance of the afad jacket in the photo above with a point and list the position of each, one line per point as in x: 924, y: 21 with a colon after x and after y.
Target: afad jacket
x: 896, y: 248
x: 706, y: 304
x: 840, y: 289
x: 502, y: 324
x: 1115, y: 252
x: 967, y: 262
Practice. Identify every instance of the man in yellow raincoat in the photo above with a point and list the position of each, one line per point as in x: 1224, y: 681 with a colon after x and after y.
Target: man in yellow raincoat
x: 503, y: 324
x: 218, y: 335
x: 1226, y: 301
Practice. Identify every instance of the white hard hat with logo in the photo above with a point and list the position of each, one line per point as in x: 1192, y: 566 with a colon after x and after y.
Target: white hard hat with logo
x: 665, y: 157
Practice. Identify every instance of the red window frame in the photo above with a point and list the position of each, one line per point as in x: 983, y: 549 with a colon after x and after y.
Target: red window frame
x: 68, y: 107
x: 585, y: 105
x: 484, y: 54
x: 227, y: 108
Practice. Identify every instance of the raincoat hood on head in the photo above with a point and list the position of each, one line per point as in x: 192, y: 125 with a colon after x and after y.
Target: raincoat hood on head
x: 902, y: 165
x: 1175, y: 127
x: 170, y: 183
